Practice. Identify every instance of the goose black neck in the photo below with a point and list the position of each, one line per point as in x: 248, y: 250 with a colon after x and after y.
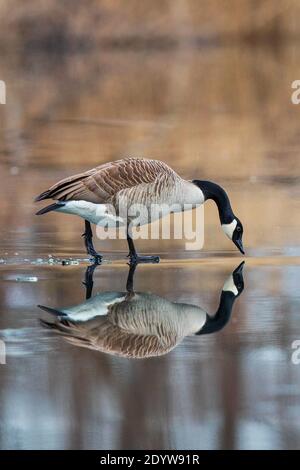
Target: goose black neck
x: 216, y: 193
x: 222, y: 316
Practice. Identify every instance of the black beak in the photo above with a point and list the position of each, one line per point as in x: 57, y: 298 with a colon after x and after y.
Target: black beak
x: 239, y: 269
x: 238, y: 278
x: 239, y: 244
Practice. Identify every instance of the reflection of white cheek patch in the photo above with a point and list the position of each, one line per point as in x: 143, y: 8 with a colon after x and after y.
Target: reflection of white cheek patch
x: 229, y: 228
x: 230, y: 286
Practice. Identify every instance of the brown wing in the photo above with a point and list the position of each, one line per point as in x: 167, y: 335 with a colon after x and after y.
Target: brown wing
x: 109, y: 338
x: 100, y: 184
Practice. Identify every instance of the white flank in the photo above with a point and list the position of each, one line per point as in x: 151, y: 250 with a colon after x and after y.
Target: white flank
x: 94, y: 307
x: 98, y: 214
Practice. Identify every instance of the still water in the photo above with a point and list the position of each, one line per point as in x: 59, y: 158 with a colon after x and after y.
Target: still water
x: 216, y: 113
x: 236, y: 388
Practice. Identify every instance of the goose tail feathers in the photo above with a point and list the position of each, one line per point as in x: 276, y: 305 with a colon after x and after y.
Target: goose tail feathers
x: 51, y: 207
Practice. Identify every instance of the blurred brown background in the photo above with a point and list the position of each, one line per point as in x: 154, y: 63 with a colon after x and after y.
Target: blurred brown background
x: 204, y: 86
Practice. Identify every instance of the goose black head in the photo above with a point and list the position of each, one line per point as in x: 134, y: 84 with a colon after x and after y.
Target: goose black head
x: 231, y: 225
x: 234, y: 230
x: 235, y: 282
x: 238, y: 279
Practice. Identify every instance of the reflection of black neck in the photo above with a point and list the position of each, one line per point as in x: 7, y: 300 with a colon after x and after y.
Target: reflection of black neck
x: 216, y: 193
x: 222, y: 315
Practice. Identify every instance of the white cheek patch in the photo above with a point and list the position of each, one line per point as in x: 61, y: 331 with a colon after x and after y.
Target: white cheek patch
x: 229, y: 228
x: 230, y: 286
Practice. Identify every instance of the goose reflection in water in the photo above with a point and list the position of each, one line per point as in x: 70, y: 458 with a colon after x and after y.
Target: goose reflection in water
x: 137, y: 324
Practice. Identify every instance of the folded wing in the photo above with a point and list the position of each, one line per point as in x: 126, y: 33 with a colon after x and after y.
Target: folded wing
x: 102, y: 183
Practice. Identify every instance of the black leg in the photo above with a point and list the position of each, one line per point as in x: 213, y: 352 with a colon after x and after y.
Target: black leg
x: 129, y: 283
x: 89, y: 280
x: 88, y: 241
x: 135, y: 257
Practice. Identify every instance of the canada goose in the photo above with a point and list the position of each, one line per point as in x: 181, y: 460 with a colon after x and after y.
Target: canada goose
x: 140, y: 325
x: 102, y: 194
